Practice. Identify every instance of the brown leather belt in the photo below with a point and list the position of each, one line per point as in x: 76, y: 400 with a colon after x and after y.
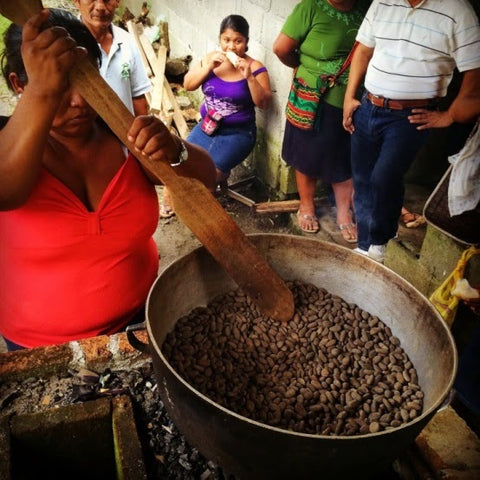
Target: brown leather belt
x: 383, y: 102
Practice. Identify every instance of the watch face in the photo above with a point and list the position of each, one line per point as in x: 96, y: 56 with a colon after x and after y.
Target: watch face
x: 183, y: 155
x: 183, y: 152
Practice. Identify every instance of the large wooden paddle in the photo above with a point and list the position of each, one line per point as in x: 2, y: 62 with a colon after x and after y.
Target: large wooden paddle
x: 194, y: 204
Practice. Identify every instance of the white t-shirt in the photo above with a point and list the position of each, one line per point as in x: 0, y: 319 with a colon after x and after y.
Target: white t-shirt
x: 416, y: 49
x: 123, y: 68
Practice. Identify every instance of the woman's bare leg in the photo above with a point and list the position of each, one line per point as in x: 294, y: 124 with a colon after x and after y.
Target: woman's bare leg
x: 307, y: 218
x: 343, y: 192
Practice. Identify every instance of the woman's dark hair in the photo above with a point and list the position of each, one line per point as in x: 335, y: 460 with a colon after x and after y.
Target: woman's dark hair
x: 11, y: 59
x: 237, y: 23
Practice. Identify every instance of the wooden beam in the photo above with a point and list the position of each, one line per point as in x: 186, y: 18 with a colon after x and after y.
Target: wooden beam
x: 240, y: 198
x: 178, y: 117
x: 157, y: 64
x: 277, y: 207
x: 133, y: 29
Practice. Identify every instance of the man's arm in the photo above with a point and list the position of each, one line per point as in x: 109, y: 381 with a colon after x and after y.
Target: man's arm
x: 464, y: 108
x: 140, y: 105
x: 358, y: 68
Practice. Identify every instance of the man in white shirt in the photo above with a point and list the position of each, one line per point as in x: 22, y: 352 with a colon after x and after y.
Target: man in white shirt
x: 122, y: 66
x: 407, y: 53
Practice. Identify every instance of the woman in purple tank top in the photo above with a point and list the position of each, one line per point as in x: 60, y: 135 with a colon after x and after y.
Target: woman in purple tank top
x: 233, y: 84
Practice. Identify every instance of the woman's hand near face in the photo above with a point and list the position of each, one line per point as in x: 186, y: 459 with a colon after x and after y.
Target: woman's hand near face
x: 244, y: 67
x: 196, y: 75
x: 48, y: 55
x: 214, y: 59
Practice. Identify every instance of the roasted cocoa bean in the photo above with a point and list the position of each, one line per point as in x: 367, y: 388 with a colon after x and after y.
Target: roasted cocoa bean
x: 334, y: 369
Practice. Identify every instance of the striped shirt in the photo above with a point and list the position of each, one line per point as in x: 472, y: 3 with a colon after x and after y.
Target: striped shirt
x: 416, y: 49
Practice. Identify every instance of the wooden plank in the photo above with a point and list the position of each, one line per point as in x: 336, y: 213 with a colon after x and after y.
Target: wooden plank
x: 133, y: 29
x: 161, y: 59
x: 158, y: 67
x: 156, y: 98
x: 155, y: 63
x: 178, y: 118
x: 164, y: 38
x: 277, y: 207
x: 157, y: 81
x: 240, y: 198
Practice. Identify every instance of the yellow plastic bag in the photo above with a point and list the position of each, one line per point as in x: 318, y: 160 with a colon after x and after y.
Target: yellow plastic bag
x: 442, y: 297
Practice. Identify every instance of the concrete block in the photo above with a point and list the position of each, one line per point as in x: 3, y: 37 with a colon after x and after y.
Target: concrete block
x: 403, y: 259
x: 283, y: 8
x: 128, y: 450
x: 450, y: 448
x: 45, y: 361
x: 254, y: 15
x: 96, y: 351
x: 287, y: 182
x: 264, y: 4
x: 439, y: 254
x: 95, y: 439
x: 76, y: 438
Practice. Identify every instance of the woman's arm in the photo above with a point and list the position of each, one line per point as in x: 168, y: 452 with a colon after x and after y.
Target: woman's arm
x: 197, y: 75
x: 153, y: 139
x: 258, y: 85
x: 48, y: 55
x: 286, y: 49
x: 360, y: 60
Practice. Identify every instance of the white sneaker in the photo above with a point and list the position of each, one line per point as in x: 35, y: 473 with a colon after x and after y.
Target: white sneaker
x: 359, y: 250
x: 377, y: 252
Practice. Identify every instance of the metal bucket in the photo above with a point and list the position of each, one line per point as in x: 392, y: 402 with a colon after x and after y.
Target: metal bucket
x: 250, y: 449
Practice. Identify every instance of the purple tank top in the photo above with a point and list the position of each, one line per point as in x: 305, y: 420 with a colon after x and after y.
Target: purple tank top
x: 231, y: 99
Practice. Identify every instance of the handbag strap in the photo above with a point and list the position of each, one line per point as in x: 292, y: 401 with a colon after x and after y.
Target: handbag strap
x: 331, y: 80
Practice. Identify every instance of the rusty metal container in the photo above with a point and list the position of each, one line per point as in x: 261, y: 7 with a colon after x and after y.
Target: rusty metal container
x: 252, y: 450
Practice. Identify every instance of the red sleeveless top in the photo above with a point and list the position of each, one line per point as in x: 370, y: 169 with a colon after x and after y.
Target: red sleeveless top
x: 67, y: 273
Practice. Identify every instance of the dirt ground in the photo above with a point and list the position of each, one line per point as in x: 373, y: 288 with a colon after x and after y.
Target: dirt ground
x: 175, y: 240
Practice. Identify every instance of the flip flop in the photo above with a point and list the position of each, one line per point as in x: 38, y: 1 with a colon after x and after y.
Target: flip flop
x: 349, y: 232
x: 418, y: 220
x: 412, y: 220
x: 166, y: 211
x: 312, y: 222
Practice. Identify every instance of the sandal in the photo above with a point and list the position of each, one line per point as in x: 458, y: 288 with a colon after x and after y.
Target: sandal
x: 166, y: 211
x: 308, y: 223
x: 349, y: 232
x: 410, y: 219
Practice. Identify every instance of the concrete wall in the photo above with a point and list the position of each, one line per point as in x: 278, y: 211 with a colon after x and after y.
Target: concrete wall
x: 193, y: 27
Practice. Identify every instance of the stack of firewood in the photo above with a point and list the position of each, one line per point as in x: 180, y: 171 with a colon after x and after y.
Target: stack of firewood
x: 162, y: 100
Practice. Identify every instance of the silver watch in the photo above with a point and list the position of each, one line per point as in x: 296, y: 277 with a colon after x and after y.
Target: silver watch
x: 183, y: 156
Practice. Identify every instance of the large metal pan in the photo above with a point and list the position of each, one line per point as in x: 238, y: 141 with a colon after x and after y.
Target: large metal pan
x: 249, y: 449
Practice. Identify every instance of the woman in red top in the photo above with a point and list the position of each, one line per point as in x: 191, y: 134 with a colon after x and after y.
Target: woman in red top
x: 77, y: 257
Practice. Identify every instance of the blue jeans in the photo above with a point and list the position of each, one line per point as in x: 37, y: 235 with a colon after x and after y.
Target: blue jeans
x: 229, y: 146
x: 12, y: 347
x: 384, y: 145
